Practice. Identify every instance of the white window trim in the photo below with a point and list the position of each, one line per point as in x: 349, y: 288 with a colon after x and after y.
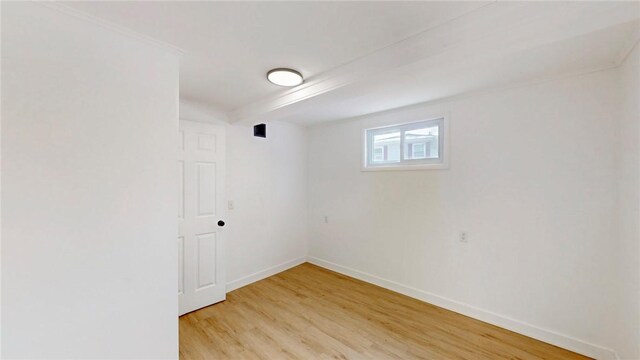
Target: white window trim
x: 434, y: 166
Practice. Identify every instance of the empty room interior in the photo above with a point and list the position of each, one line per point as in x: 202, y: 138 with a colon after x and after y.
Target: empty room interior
x: 320, y: 180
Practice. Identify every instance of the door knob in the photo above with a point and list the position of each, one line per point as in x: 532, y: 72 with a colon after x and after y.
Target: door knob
x: 220, y: 223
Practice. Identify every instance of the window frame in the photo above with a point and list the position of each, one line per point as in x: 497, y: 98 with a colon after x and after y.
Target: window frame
x: 442, y: 162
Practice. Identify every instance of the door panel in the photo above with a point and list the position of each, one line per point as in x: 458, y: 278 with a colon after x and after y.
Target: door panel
x: 201, y: 167
x: 181, y: 189
x: 206, y: 267
x: 180, y: 265
x: 206, y: 189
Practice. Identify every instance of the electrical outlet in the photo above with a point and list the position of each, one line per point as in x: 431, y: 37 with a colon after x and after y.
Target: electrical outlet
x: 326, y: 219
x: 463, y: 237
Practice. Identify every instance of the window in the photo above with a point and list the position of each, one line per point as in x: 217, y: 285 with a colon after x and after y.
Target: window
x: 416, y: 145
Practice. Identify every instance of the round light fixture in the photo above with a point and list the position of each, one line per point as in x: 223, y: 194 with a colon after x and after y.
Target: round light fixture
x: 284, y: 77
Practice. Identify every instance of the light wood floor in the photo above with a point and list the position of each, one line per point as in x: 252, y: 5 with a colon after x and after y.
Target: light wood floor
x: 311, y: 313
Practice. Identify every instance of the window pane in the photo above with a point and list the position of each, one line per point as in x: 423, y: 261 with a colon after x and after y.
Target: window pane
x: 386, y: 148
x: 418, y: 151
x: 421, y: 143
x: 417, y: 144
x: 378, y: 153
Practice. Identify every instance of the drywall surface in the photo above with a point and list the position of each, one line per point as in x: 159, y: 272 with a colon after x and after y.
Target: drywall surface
x: 267, y: 183
x: 532, y: 180
x: 89, y: 123
x: 627, y: 328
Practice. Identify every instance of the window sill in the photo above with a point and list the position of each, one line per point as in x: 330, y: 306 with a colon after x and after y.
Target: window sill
x: 406, y: 167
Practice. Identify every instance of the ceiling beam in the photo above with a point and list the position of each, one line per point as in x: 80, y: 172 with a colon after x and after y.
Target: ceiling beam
x: 492, y: 30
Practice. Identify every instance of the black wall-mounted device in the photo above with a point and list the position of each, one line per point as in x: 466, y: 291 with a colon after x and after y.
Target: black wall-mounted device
x: 260, y: 130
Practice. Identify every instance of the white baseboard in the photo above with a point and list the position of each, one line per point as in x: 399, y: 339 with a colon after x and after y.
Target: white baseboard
x: 263, y: 274
x: 548, y: 336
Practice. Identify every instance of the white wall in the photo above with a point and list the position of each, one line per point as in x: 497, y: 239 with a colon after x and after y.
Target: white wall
x: 267, y: 182
x: 266, y: 232
x: 533, y: 182
x: 627, y: 328
x: 89, y: 121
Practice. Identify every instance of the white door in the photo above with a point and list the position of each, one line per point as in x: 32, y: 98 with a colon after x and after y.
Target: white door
x: 201, y: 167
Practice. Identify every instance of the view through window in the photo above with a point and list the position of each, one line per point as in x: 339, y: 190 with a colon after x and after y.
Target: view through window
x: 416, y: 143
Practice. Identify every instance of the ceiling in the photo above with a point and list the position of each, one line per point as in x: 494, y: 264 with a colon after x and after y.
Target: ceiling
x: 230, y: 46
x: 363, y: 57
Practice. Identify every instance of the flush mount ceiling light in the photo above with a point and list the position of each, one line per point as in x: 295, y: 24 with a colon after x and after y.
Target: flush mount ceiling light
x: 284, y: 77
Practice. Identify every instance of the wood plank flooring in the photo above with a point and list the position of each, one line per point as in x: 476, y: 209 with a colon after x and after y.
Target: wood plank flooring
x: 309, y: 312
